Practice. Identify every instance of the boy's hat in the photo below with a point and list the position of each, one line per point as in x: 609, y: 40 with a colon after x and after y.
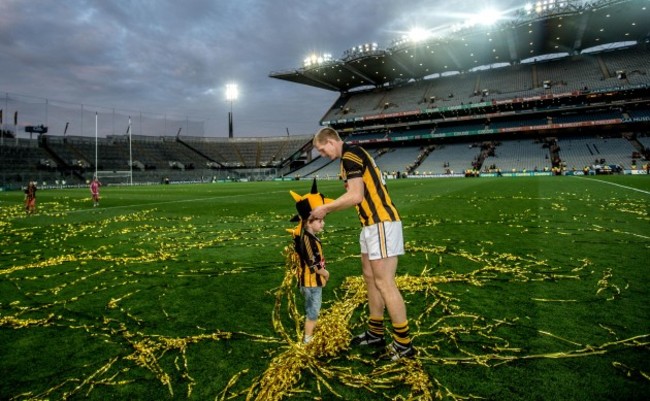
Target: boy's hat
x: 308, y: 202
x: 304, y: 205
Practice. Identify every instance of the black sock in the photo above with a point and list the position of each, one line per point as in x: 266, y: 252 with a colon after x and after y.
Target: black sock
x: 376, y: 327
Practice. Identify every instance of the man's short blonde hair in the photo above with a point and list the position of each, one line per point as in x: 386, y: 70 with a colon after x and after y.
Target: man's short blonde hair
x: 324, y: 134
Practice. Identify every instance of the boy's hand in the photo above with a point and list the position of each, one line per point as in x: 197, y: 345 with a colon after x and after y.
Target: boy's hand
x: 325, y: 274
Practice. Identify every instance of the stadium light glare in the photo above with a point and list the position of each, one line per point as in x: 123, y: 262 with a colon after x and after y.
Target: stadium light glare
x: 418, y: 35
x: 232, y: 93
x: 488, y: 16
x: 545, y: 6
x: 528, y: 8
x: 315, y: 59
x: 361, y: 50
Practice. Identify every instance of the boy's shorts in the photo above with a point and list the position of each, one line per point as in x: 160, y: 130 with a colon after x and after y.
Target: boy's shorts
x: 382, y: 240
x: 313, y: 300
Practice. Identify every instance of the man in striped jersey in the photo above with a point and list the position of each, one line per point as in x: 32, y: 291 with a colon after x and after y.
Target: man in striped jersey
x: 381, y: 240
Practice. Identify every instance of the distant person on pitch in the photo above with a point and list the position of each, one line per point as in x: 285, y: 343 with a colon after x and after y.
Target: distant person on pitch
x: 30, y: 198
x: 94, y: 191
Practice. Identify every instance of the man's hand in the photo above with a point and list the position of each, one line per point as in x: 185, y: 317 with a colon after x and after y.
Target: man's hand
x: 319, y: 212
x: 352, y: 197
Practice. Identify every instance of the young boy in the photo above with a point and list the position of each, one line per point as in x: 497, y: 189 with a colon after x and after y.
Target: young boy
x: 311, y: 273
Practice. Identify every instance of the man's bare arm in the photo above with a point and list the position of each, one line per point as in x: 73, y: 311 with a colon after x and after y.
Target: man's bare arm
x: 353, y: 196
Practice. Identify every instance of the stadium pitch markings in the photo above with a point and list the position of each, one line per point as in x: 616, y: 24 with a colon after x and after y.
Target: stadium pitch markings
x: 624, y: 186
x: 169, y: 202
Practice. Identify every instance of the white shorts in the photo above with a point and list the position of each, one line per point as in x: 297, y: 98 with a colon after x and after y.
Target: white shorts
x: 382, y: 240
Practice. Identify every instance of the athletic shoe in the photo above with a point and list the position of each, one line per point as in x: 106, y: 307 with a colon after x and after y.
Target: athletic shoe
x: 367, y: 339
x: 396, y: 351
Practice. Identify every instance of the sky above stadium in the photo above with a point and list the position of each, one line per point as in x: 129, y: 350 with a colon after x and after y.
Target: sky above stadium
x: 175, y: 58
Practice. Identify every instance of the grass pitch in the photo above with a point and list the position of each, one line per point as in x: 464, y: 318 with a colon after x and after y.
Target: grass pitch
x: 516, y: 288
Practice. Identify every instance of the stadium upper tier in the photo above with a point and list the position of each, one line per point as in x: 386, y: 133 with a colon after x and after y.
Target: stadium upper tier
x: 571, y: 30
x: 619, y: 69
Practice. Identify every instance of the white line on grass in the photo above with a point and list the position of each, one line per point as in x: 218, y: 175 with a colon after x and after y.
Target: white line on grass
x: 622, y: 186
x: 167, y: 202
x: 625, y: 187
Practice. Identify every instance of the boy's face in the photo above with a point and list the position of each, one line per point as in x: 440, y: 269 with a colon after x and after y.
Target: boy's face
x: 315, y: 225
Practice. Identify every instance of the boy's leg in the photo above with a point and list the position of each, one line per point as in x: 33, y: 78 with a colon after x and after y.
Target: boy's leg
x: 313, y: 300
x: 309, y: 330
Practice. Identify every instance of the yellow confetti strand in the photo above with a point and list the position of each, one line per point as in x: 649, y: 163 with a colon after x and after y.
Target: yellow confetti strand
x: 18, y: 323
x: 631, y: 372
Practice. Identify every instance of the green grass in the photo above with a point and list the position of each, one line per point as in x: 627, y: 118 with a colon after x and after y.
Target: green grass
x: 529, y: 289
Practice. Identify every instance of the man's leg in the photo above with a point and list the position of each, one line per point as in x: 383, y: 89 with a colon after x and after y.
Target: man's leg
x: 384, y: 274
x: 376, y: 303
x: 383, y: 292
x: 374, y: 334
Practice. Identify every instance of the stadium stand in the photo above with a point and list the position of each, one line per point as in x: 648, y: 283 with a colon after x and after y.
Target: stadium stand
x: 645, y: 141
x: 449, y: 159
x: 519, y: 155
x: 400, y: 159
x: 578, y: 152
x: 314, y: 168
x: 437, y: 107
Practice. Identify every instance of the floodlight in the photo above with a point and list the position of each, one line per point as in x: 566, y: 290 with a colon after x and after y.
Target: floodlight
x: 418, y: 35
x: 488, y: 16
x: 528, y: 8
x: 231, y: 95
x: 231, y: 92
x: 314, y: 59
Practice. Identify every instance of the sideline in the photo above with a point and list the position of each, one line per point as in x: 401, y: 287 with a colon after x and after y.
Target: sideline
x: 618, y: 185
x: 624, y: 187
x: 92, y: 209
x: 168, y: 202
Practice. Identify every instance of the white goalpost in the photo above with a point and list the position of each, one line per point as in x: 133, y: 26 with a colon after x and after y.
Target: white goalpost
x: 114, y: 177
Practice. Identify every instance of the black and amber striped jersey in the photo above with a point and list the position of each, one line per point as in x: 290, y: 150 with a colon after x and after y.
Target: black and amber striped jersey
x: 377, y: 205
x: 310, y: 250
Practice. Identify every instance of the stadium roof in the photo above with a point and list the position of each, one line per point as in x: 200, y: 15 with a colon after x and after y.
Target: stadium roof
x: 570, y: 29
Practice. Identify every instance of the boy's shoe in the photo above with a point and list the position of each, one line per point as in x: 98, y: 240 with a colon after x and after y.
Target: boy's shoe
x: 367, y: 339
x: 396, y: 351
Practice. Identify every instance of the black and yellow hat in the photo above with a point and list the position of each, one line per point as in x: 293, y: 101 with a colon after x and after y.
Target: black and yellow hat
x: 305, y: 204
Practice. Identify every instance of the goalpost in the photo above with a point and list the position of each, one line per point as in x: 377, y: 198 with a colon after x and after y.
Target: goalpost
x: 114, y: 175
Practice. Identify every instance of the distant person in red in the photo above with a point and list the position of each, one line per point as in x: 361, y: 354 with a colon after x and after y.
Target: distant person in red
x: 30, y: 198
x: 94, y: 191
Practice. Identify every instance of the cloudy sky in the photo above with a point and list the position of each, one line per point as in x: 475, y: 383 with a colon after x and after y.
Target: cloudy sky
x: 174, y: 58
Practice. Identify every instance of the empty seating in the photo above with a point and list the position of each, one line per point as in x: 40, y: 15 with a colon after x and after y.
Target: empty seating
x: 450, y: 158
x: 518, y: 156
x: 578, y: 152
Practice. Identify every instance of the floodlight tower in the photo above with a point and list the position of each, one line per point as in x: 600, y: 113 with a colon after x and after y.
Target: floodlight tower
x: 231, y: 96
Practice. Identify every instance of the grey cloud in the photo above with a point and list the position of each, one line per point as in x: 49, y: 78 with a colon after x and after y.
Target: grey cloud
x: 175, y: 57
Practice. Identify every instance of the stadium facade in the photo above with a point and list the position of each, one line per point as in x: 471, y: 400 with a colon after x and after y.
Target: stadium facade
x: 560, y: 88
